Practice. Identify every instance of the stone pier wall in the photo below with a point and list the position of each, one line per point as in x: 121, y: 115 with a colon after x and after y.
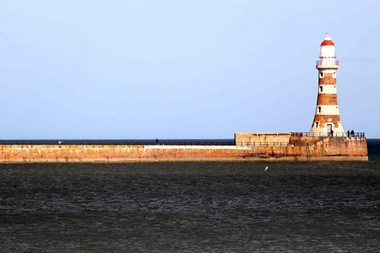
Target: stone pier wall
x: 327, y: 149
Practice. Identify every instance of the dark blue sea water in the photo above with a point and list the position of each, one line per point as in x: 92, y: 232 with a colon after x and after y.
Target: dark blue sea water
x: 191, y: 207
x: 373, y: 149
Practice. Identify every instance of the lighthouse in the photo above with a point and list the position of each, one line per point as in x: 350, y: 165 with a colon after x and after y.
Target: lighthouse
x: 327, y: 119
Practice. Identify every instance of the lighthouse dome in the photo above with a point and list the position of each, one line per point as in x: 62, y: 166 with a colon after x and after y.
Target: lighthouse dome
x: 327, y: 42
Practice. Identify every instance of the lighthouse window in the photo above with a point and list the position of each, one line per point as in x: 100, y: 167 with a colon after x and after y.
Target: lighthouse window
x: 317, y: 124
x: 321, y: 74
x: 321, y: 88
x: 319, y: 109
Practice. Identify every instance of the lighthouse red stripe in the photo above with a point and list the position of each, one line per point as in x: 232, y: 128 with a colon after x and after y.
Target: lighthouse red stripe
x: 323, y: 119
x: 327, y: 79
x: 327, y: 99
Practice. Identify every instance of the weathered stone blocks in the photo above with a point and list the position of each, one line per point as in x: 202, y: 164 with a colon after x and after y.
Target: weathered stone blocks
x: 298, y: 149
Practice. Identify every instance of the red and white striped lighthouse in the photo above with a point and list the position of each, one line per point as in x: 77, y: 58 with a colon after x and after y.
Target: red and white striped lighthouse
x: 327, y: 118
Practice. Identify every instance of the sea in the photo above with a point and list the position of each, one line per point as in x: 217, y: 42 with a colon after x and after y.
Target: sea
x: 192, y: 207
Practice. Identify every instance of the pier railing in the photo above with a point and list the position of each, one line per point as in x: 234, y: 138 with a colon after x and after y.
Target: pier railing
x: 326, y: 134
x: 264, y: 144
x: 173, y: 142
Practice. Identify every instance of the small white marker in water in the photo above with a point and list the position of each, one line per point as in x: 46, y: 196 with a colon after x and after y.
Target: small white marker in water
x: 266, y: 168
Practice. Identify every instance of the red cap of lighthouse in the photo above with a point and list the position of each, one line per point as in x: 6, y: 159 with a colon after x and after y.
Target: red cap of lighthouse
x: 328, y: 41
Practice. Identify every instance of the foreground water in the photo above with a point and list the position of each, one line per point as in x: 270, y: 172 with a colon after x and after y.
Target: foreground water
x: 190, y: 207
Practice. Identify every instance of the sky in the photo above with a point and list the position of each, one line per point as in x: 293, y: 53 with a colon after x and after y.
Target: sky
x: 143, y: 69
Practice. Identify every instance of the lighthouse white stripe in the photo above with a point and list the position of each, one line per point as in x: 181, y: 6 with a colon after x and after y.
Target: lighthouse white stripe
x: 327, y: 110
x: 327, y: 89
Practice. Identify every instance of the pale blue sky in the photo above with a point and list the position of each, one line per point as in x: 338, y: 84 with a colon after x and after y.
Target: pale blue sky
x: 181, y: 69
